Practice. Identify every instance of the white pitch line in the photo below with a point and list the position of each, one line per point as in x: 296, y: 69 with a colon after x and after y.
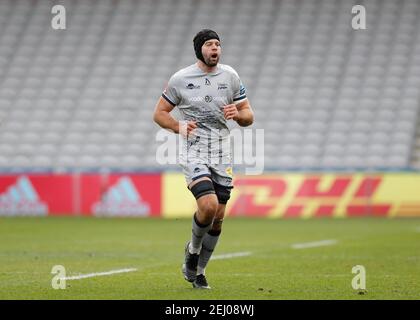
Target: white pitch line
x: 111, y: 272
x: 230, y: 255
x: 99, y: 274
x: 314, y: 244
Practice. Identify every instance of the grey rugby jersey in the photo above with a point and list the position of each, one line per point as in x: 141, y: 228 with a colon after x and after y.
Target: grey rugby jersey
x: 200, y: 97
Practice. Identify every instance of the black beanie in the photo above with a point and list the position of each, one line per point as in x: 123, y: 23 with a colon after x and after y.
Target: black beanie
x: 200, y: 38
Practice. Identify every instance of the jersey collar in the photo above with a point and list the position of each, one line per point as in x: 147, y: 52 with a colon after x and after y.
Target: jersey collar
x: 214, y: 73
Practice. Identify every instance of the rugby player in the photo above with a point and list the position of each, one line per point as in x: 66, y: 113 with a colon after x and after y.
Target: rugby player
x: 207, y: 94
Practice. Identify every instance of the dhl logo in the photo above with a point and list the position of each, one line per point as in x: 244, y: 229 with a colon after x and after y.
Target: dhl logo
x: 307, y: 196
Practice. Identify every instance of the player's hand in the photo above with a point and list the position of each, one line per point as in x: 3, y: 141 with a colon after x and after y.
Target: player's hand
x: 187, y: 128
x: 230, y: 112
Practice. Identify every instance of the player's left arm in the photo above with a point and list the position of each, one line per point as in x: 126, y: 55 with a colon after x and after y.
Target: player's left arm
x: 241, y: 112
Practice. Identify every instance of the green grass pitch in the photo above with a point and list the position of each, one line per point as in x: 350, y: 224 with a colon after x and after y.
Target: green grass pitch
x: 389, y: 249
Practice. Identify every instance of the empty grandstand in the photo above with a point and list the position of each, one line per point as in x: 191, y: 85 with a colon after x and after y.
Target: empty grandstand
x: 327, y: 96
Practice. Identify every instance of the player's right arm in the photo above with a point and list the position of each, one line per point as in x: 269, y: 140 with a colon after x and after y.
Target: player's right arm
x: 164, y: 119
x: 169, y: 99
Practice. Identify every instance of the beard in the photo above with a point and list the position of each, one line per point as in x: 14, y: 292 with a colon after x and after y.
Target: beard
x: 211, y: 62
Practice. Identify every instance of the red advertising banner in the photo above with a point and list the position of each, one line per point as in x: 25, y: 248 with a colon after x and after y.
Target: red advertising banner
x: 120, y: 195
x: 86, y: 194
x: 36, y: 195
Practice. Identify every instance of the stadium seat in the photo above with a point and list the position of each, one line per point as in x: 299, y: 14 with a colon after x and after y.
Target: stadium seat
x: 327, y: 96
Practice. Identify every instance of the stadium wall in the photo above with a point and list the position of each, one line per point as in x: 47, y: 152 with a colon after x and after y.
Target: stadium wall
x: 289, y: 195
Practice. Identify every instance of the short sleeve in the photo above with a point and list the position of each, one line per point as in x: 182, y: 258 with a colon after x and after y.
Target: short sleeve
x: 239, y: 91
x: 171, y: 92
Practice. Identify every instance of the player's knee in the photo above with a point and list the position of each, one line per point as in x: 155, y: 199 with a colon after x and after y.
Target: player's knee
x: 208, y: 207
x: 222, y: 193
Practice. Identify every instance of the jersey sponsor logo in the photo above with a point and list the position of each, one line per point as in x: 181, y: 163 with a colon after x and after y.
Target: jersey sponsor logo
x: 196, y: 99
x: 229, y: 171
x: 242, y: 90
x: 22, y: 199
x: 192, y: 86
x: 122, y: 199
x: 206, y: 99
x: 207, y: 82
x: 222, y: 86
